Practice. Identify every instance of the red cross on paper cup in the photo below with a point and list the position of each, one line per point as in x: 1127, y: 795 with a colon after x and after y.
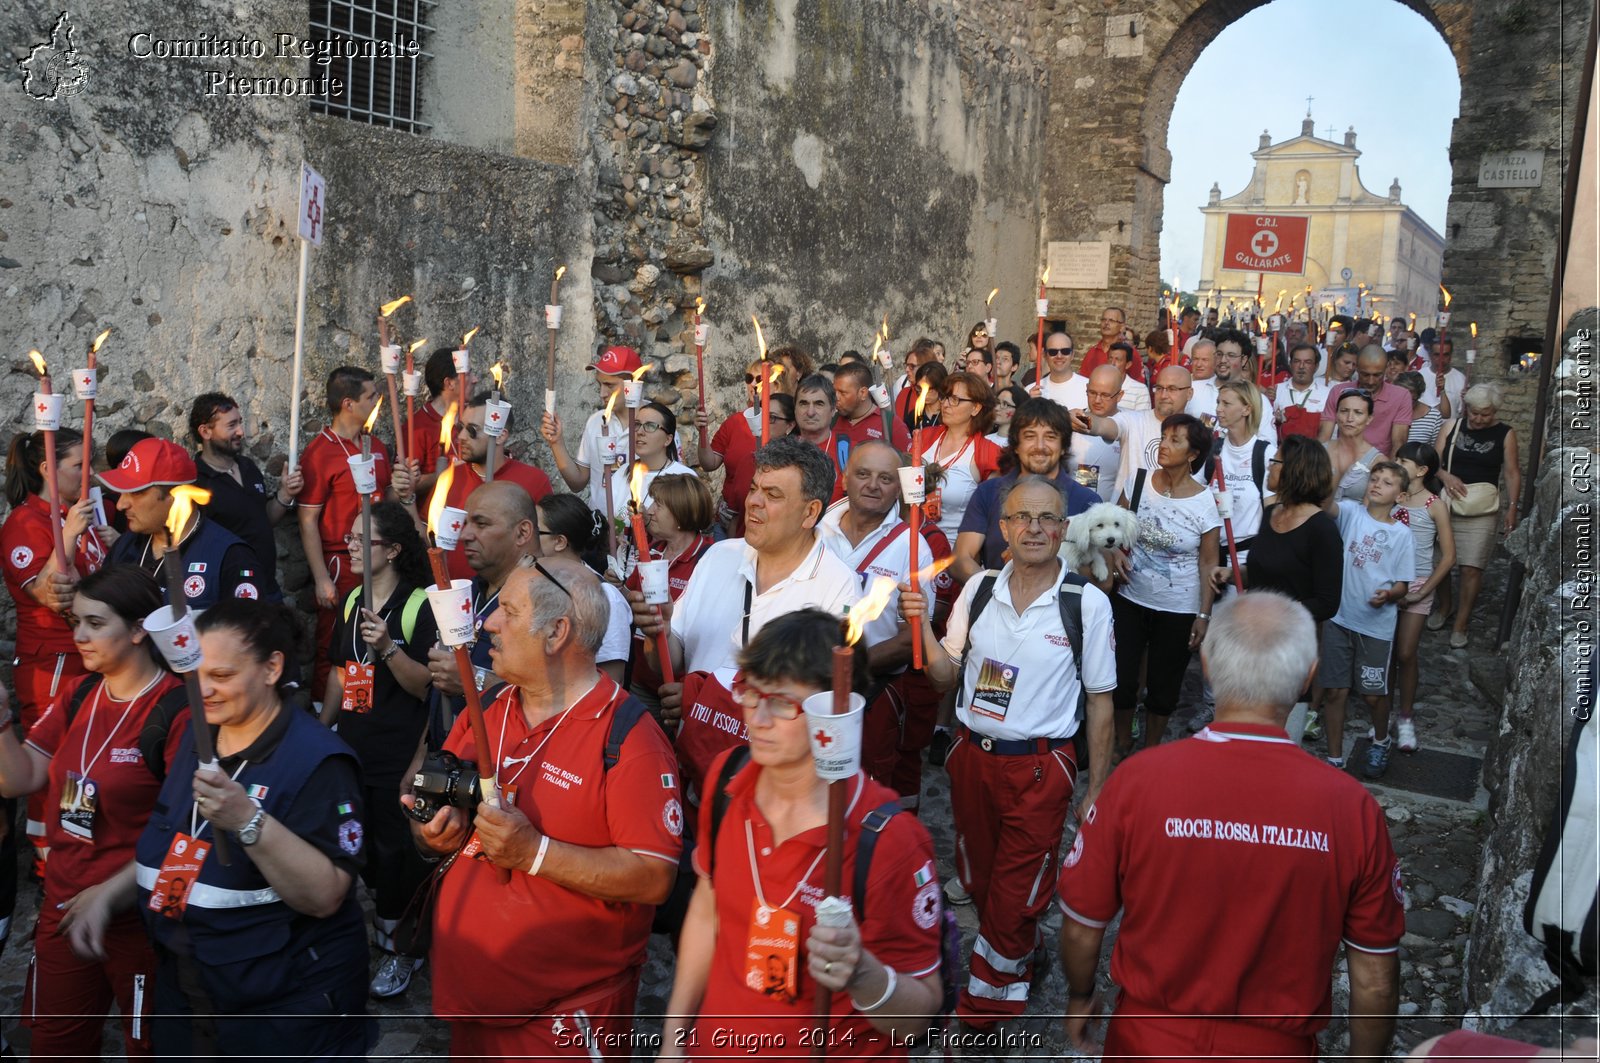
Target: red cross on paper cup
x: 42, y: 407
x: 88, y: 380
x: 182, y: 641
x: 495, y: 416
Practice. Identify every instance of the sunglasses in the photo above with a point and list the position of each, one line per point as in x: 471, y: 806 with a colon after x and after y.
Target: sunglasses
x: 1056, y: 352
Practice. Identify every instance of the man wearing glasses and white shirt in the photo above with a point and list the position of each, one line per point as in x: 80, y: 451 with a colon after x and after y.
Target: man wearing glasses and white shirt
x: 1139, y: 431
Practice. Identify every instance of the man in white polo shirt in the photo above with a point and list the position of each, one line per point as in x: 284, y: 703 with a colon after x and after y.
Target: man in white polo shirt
x: 1013, y: 767
x: 780, y: 565
x: 866, y: 532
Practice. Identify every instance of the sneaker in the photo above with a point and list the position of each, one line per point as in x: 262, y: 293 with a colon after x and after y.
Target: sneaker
x: 1336, y: 762
x: 1314, y: 726
x: 956, y: 893
x: 1377, y: 760
x: 1458, y: 640
x: 939, y: 748
x: 1408, y: 735
x: 394, y: 975
x: 1437, y: 620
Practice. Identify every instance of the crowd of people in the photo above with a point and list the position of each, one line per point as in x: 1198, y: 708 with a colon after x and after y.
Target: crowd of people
x: 1298, y: 513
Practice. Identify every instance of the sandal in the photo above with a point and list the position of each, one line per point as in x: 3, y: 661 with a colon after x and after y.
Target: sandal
x: 1438, y: 619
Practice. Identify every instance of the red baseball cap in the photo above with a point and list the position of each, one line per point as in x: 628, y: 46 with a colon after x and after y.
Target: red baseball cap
x: 151, y: 463
x: 616, y: 361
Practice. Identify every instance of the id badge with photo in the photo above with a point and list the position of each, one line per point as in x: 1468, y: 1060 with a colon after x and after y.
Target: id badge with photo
x: 991, y: 695
x: 80, y: 796
x: 772, y: 953
x: 180, y: 869
x: 357, y: 687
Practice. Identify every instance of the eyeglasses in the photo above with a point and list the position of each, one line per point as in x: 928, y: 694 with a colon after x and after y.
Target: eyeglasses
x: 649, y: 426
x: 350, y: 539
x: 955, y: 400
x: 778, y: 706
x: 537, y: 567
x: 1108, y: 395
x: 1171, y: 389
x: 1047, y: 521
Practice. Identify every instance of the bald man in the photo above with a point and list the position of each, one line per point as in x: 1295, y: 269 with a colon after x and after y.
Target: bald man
x: 1092, y: 461
x: 1391, y: 404
x: 1139, y: 431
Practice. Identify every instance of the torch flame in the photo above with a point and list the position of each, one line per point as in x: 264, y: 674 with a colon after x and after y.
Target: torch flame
x: 922, y: 399
x: 561, y: 271
x: 390, y: 307
x: 184, y: 498
x: 885, y: 332
x: 1281, y: 293
x: 468, y: 337
x: 413, y: 348
x: 761, y: 340
x: 1044, y: 278
x: 441, y: 491
x: 498, y: 372
x: 638, y: 374
x: 700, y: 307
x: 447, y: 429
x: 1474, y: 330
x: 94, y: 348
x: 38, y: 362
x: 1446, y: 291
x: 877, y: 345
x: 636, y: 484
x: 611, y: 404
x: 931, y: 572
x: 989, y: 300
x: 868, y: 608
x: 372, y: 418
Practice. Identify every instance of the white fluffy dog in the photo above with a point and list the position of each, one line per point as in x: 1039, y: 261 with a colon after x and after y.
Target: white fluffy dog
x: 1106, y: 526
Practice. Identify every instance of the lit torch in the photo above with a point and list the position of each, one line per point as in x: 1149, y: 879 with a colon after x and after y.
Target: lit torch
x: 989, y: 321
x: 605, y: 471
x: 90, y: 383
x: 45, y: 404
x: 552, y: 323
x: 1472, y: 351
x: 463, y: 366
x: 1444, y: 315
x: 766, y: 400
x: 632, y: 399
x: 498, y: 372
x: 916, y: 513
x: 366, y: 509
x: 391, y: 365
x: 641, y: 543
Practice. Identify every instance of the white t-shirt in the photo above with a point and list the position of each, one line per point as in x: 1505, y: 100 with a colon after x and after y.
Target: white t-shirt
x: 1020, y: 680
x: 618, y: 642
x: 621, y: 481
x: 1073, y: 392
x: 1094, y: 463
x: 1376, y: 555
x: 1203, y: 403
x: 590, y: 448
x: 1165, y: 566
x: 1313, y: 400
x: 893, y: 561
x: 1455, y: 384
x: 708, y: 619
x: 956, y: 488
x: 1238, y: 469
x: 1138, y: 439
x: 999, y: 439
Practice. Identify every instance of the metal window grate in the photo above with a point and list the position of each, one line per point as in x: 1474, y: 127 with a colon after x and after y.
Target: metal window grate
x: 378, y: 90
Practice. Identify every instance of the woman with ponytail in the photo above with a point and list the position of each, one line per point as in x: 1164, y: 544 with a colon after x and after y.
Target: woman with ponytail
x: 568, y: 527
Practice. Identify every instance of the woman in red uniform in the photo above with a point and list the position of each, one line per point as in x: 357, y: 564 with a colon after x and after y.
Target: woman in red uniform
x: 98, y: 756
x: 751, y: 955
x: 46, y: 662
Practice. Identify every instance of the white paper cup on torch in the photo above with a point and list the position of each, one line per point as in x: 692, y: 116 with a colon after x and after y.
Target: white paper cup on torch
x: 1261, y: 345
x: 653, y: 582
x: 1472, y: 355
x: 1444, y: 319
x: 174, y: 638
x: 701, y: 332
x: 363, y: 470
x: 47, y: 411
x: 1275, y: 322
x: 880, y: 396
x: 991, y: 325
x: 462, y: 360
x: 615, y: 449
x: 552, y: 316
x: 913, y: 485
x: 496, y: 412
x: 452, y: 611
x: 389, y: 356
x: 85, y: 383
x: 98, y: 498
x: 835, y: 740
x: 550, y: 399
x: 633, y: 394
x: 1043, y: 307
x: 451, y: 521
x: 411, y: 379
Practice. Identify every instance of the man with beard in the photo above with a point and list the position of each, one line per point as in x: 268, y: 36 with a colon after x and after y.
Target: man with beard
x: 239, y: 498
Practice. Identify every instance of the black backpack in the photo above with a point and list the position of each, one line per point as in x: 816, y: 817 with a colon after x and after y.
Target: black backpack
x: 1070, y: 602
x: 1258, y: 467
x: 157, y: 725
x: 872, y: 826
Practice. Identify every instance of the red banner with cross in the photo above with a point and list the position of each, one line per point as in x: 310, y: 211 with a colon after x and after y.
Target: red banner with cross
x: 1266, y: 243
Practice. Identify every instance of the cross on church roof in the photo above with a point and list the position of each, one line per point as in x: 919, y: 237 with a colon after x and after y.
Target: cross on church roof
x: 1330, y: 132
x: 1308, y: 105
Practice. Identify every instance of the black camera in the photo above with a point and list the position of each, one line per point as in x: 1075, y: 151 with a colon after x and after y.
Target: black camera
x: 443, y: 781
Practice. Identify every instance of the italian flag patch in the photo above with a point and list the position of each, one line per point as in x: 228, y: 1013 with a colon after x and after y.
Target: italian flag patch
x: 345, y: 809
x: 924, y: 875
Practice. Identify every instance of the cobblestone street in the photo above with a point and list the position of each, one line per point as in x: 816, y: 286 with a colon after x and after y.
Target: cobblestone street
x: 1438, y: 841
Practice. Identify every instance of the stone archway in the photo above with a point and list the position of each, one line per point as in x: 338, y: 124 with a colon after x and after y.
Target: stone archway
x: 1114, y: 80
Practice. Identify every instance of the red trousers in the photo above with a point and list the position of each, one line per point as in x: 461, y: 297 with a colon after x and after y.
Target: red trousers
x: 1138, y: 1031
x: 66, y: 1000
x: 600, y: 1029
x: 345, y: 580
x: 1009, y: 812
x: 38, y: 681
x: 897, y: 728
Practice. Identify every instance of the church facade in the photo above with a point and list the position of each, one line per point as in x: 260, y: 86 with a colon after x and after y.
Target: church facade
x: 1366, y: 253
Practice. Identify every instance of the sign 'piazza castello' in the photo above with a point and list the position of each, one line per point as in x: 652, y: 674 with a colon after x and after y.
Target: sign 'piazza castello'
x: 1365, y: 252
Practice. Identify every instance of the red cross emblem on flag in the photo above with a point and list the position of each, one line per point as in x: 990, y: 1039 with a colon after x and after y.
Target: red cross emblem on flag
x: 182, y: 641
x: 824, y: 739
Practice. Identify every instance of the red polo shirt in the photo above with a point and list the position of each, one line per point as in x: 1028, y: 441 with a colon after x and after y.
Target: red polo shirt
x: 502, y: 953
x: 870, y: 428
x: 422, y: 442
x: 901, y: 930
x: 325, y: 463
x: 28, y: 544
x: 1096, y: 356
x: 468, y: 479
x: 737, y: 445
x: 1294, y: 853
x: 102, y: 745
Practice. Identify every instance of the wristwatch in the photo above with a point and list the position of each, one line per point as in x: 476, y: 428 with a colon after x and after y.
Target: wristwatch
x: 250, y: 833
